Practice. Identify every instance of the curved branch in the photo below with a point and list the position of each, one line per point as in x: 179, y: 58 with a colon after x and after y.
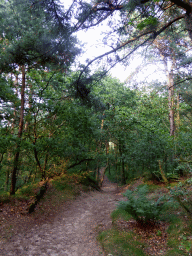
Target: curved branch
x: 186, y: 6
x: 169, y: 24
x: 153, y: 35
x: 112, y: 51
x: 183, y: 4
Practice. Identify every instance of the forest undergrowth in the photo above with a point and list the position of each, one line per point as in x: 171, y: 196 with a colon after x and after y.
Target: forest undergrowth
x: 169, y: 235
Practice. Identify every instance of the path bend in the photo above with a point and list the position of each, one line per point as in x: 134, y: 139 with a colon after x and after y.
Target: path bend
x: 74, y: 230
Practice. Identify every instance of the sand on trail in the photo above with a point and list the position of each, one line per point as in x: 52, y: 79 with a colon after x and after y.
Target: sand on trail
x: 74, y: 230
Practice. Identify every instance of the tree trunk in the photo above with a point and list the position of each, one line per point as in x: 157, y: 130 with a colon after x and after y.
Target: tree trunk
x: 123, y: 180
x: 178, y: 114
x: 38, y: 162
x: 103, y: 170
x: 170, y: 84
x: 20, y: 131
x: 45, y: 166
x: 7, y: 171
x: 188, y: 24
x: 121, y: 151
x: 107, y: 153
x: 7, y: 180
x: 29, y: 105
x: 97, y: 171
x: 16, y: 85
x: 162, y: 172
x: 171, y: 103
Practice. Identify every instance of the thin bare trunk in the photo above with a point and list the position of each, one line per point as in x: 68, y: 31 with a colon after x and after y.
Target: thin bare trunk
x: 170, y: 86
x: 30, y: 106
x: 178, y: 114
x: 12, y: 125
x: 102, y: 175
x: 45, y: 165
x: 16, y: 85
x: 7, y: 180
x: 20, y: 131
x: 38, y: 162
x: 123, y: 179
x: 97, y: 172
x: 162, y: 172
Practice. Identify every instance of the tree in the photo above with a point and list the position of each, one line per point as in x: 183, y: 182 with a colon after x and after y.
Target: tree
x: 31, y: 39
x: 141, y: 22
x: 171, y: 50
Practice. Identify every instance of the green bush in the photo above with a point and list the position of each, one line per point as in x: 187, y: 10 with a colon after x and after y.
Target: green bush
x: 62, y: 184
x: 182, y: 195
x: 141, y: 208
x: 27, y: 190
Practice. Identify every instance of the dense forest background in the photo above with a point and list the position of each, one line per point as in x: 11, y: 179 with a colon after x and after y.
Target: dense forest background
x: 58, y: 116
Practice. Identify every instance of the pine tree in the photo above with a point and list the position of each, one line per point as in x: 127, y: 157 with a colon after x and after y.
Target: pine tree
x: 33, y: 35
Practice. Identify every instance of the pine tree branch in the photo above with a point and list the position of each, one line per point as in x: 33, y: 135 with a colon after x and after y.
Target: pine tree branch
x: 183, y: 5
x: 112, y: 51
x: 153, y: 35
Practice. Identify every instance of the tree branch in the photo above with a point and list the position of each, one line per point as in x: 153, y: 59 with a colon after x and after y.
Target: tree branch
x: 112, y: 51
x: 81, y: 161
x: 169, y: 24
x: 183, y: 5
x: 153, y: 33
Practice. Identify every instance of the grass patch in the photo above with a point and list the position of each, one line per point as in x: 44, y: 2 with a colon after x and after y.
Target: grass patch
x: 119, y: 213
x: 122, y: 243
x: 153, y: 187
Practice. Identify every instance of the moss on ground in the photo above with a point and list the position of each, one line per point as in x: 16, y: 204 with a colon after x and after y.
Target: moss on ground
x: 122, y: 243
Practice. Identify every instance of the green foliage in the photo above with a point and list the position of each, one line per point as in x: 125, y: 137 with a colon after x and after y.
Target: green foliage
x: 86, y: 179
x: 122, y: 243
x: 66, y: 181
x: 149, y: 21
x: 141, y: 208
x: 4, y: 198
x: 114, y: 174
x: 27, y: 40
x: 61, y: 183
x: 120, y: 213
x: 182, y: 195
x: 179, y: 230
x: 27, y: 190
x: 60, y: 131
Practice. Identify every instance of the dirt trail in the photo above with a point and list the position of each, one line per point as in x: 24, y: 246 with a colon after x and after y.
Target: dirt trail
x: 74, y: 231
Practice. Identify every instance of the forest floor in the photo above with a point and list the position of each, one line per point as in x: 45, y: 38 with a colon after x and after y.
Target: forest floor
x: 81, y: 225
x: 70, y: 232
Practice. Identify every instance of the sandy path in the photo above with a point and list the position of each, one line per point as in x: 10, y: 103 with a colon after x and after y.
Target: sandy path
x: 74, y: 231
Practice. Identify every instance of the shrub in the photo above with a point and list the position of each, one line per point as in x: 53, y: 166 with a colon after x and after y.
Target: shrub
x: 140, y: 207
x: 182, y: 194
x: 27, y: 190
x: 61, y: 183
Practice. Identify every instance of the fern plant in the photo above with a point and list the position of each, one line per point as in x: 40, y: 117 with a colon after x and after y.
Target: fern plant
x: 141, y: 208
